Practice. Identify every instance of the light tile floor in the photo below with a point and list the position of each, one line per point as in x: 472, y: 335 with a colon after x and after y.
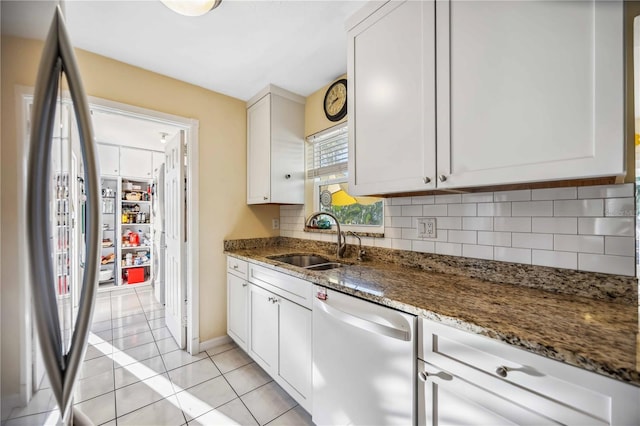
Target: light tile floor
x: 134, y: 374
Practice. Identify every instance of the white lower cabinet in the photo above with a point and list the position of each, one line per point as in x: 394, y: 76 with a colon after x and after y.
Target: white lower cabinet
x: 237, y: 302
x: 280, y: 330
x: 464, y: 378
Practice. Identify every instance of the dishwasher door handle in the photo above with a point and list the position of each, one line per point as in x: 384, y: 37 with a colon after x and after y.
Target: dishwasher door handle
x: 373, y: 327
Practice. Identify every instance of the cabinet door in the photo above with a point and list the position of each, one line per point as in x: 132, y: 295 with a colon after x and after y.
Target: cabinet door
x: 109, y: 158
x: 529, y: 91
x: 263, y: 340
x: 135, y: 163
x: 445, y: 399
x: 392, y: 100
x: 237, y: 314
x: 157, y: 159
x: 259, y: 152
x: 295, y: 348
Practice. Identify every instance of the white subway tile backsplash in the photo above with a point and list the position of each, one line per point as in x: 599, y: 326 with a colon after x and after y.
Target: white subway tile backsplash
x: 462, y: 209
x: 448, y: 199
x: 564, y: 225
x: 578, y: 208
x: 593, y: 228
x: 606, y: 191
x: 448, y: 223
x: 494, y: 238
x: 620, y: 265
x: 494, y: 209
x: 519, y: 195
x: 579, y: 243
x: 554, y: 194
x: 532, y: 208
x: 535, y: 241
x: 435, y: 210
x: 414, y: 210
x: 393, y: 210
x: 477, y: 223
x: 616, y: 226
x: 620, y: 207
x: 423, y: 199
x: 423, y: 246
x: 399, y: 244
x: 621, y: 246
x: 409, y: 234
x: 512, y: 224
x: 478, y: 252
x: 400, y: 201
x: 514, y: 255
x: 554, y: 259
x: 401, y: 222
x: 393, y: 232
x: 450, y: 249
x: 465, y: 237
x: 478, y: 197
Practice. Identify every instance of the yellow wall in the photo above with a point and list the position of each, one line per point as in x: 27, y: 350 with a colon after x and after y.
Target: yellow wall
x: 222, y: 164
x: 314, y: 118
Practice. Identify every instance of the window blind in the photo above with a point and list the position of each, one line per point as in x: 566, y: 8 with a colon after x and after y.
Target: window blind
x: 327, y: 152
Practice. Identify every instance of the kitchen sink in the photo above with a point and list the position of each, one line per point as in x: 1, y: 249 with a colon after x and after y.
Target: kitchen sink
x: 307, y: 261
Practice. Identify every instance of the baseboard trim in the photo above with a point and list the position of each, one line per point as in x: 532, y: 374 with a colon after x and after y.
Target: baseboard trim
x: 215, y: 342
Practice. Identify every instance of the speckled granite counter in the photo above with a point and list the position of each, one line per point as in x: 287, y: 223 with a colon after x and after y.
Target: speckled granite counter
x: 599, y: 333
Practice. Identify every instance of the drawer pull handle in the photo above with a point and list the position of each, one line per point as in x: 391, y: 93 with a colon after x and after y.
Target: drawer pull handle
x: 423, y: 375
x: 502, y: 371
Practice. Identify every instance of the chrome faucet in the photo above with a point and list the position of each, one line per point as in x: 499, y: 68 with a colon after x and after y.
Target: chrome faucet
x: 342, y: 245
x: 361, y: 252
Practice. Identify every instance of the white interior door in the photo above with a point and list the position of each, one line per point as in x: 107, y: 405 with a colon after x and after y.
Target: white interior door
x: 175, y: 277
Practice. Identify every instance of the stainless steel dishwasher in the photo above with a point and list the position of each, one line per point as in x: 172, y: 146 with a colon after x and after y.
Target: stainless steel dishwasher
x: 364, y: 362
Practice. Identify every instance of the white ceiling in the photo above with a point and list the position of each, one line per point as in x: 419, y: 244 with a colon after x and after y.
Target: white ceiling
x: 237, y: 49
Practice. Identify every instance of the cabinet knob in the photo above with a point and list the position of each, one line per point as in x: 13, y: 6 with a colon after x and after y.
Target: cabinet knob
x: 442, y: 178
x: 287, y: 176
x: 244, y: 284
x: 502, y: 371
x: 426, y: 179
x: 265, y: 198
x: 235, y: 266
x: 423, y: 375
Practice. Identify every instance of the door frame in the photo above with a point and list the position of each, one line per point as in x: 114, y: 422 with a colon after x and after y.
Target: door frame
x: 191, y: 127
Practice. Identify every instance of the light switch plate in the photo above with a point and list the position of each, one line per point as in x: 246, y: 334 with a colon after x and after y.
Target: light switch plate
x: 426, y: 227
x: 275, y: 223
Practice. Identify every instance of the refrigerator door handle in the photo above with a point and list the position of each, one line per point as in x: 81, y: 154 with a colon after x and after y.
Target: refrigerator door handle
x: 62, y: 368
x: 373, y: 327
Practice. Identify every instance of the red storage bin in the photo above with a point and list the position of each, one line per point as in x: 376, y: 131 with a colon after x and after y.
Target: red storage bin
x: 136, y: 275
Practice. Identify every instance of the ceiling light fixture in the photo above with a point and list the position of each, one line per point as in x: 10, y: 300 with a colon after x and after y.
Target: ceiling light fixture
x: 163, y: 137
x: 191, y: 7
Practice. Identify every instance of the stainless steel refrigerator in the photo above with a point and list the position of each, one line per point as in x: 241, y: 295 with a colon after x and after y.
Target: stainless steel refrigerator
x: 159, y: 243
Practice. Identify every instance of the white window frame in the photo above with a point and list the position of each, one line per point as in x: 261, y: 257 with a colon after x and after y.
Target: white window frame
x: 320, y: 181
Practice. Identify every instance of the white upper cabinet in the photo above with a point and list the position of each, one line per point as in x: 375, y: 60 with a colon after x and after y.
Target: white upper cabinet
x: 529, y: 91
x: 391, y: 89
x: 135, y: 163
x: 109, y: 158
x: 275, y: 147
x: 524, y: 92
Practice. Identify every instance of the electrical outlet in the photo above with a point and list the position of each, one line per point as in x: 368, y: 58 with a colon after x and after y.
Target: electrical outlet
x: 275, y: 223
x: 426, y: 227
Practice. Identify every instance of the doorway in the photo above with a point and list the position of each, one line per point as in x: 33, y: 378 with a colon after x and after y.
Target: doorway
x: 30, y: 366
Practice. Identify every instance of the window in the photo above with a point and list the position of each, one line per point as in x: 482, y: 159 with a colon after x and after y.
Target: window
x: 327, y: 158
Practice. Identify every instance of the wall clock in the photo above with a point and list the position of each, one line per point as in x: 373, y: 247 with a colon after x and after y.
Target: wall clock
x: 335, y: 101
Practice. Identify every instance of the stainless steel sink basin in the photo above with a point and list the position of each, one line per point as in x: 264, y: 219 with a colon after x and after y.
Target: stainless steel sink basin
x: 312, y: 262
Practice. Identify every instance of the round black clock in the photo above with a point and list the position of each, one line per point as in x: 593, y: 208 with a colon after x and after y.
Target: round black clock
x: 335, y: 101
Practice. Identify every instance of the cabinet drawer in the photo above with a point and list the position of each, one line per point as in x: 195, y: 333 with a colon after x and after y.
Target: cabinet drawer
x: 237, y: 267
x: 295, y: 289
x: 462, y: 353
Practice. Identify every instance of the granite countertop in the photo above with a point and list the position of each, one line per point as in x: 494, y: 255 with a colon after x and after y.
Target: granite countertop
x: 597, y: 335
